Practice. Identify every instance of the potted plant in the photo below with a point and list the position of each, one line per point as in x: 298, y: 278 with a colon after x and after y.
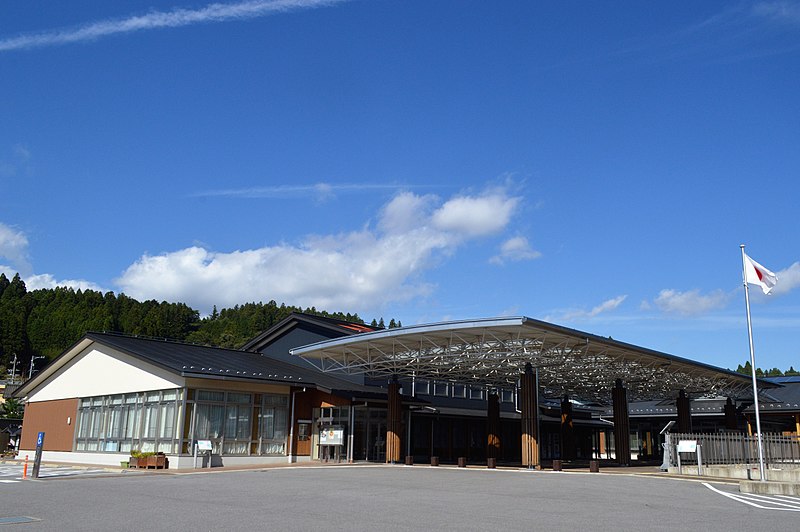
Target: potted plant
x: 147, y: 460
x: 133, y: 462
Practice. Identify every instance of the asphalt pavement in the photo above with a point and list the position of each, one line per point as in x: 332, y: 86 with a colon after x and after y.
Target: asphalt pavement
x: 387, y: 498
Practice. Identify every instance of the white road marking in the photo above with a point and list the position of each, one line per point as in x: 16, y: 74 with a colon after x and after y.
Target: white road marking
x: 752, y: 499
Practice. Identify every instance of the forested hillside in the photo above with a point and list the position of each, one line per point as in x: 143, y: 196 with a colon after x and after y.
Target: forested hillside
x: 43, y: 323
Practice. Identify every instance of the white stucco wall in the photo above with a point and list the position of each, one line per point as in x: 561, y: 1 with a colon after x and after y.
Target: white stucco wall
x: 100, y: 370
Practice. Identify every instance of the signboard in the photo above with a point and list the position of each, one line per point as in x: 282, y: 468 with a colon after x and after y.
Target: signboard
x: 37, y: 460
x: 331, y: 436
x: 687, y: 446
x: 203, y: 445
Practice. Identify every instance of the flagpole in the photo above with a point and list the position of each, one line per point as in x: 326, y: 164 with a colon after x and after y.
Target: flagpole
x: 753, y: 369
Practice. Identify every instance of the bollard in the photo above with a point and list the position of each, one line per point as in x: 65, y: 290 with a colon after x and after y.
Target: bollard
x: 556, y: 465
x: 25, y: 469
x: 434, y: 460
x: 491, y: 463
x: 462, y: 461
x: 594, y: 466
x: 409, y: 460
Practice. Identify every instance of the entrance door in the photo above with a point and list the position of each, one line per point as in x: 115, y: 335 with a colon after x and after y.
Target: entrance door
x: 376, y: 435
x: 369, y: 437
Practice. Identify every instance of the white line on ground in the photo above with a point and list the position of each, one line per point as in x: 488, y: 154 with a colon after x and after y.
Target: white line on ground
x: 744, y: 499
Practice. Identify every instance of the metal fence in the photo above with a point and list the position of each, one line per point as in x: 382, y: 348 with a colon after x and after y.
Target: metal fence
x: 729, y: 448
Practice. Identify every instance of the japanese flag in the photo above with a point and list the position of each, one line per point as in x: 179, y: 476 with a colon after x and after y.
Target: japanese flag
x: 754, y: 273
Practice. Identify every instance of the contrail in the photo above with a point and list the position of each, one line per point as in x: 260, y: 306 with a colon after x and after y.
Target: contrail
x: 158, y: 19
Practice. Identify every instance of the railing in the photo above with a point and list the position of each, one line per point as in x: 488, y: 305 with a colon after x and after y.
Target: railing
x: 730, y: 448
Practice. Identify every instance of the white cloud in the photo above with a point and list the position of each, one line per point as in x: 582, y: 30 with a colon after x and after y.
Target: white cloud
x: 781, y: 12
x: 605, y: 306
x: 14, y: 247
x: 320, y: 191
x: 45, y: 280
x: 405, y: 212
x: 473, y: 216
x: 362, y: 269
x: 176, y: 18
x: 515, y: 249
x: 788, y: 279
x: 691, y: 302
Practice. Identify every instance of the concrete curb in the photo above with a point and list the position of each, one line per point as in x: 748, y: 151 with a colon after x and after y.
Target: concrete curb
x: 769, y: 488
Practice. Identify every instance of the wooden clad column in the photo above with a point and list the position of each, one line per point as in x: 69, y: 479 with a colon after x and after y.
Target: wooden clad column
x: 567, y: 430
x: 730, y: 415
x: 622, y: 438
x: 684, y: 413
x: 393, y: 423
x: 493, y: 426
x: 530, y: 413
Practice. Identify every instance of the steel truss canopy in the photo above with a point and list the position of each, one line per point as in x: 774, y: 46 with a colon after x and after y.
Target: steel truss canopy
x: 493, y: 353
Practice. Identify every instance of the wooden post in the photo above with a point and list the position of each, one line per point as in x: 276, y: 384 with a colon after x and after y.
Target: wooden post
x: 684, y: 413
x: 622, y: 438
x: 493, y: 426
x: 730, y: 415
x: 797, y: 424
x: 530, y: 413
x: 567, y: 430
x: 393, y: 418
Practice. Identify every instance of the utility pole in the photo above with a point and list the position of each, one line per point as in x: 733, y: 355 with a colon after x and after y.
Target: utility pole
x: 14, y: 370
x: 30, y: 370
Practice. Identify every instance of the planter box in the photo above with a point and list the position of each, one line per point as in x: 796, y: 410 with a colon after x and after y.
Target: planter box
x: 157, y: 461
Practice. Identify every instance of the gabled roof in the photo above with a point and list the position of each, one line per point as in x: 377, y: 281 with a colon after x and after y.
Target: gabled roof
x: 191, y: 360
x: 337, y: 327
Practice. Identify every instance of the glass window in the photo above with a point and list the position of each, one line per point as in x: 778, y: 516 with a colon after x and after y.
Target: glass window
x: 475, y: 392
x: 422, y: 387
x: 273, y: 423
x: 459, y: 390
x: 507, y: 396
x: 122, y: 422
x: 239, y: 398
x: 205, y: 395
x: 441, y: 389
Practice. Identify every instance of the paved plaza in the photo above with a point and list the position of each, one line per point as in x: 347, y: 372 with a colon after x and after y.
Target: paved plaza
x: 385, y: 498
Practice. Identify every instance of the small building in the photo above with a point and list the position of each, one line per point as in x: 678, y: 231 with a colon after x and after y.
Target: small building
x: 108, y: 395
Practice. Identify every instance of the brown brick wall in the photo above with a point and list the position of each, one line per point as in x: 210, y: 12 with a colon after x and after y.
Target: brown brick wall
x: 51, y: 418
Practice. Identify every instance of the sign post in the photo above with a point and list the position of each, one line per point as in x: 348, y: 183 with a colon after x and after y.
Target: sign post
x: 37, y: 460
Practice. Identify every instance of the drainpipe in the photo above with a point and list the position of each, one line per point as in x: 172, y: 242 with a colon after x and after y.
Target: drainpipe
x: 350, y: 457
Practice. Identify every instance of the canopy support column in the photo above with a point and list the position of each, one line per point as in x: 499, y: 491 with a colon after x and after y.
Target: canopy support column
x: 730, y: 415
x: 393, y: 423
x: 684, y: 413
x: 493, y: 426
x: 567, y: 430
x: 622, y: 439
x: 529, y: 393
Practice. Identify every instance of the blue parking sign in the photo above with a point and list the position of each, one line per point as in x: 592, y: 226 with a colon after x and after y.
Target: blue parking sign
x: 40, y: 439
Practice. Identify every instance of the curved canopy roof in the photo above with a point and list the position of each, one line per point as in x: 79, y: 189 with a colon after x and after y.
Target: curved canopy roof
x: 493, y: 352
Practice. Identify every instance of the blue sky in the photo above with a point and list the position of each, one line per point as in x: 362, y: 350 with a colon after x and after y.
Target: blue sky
x: 593, y: 164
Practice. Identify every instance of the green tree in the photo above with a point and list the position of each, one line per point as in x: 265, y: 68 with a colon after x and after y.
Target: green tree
x: 12, y: 409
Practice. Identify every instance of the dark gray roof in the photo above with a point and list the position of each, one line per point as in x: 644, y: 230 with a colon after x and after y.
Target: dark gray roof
x: 783, y: 399
x: 190, y: 360
x: 336, y: 327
